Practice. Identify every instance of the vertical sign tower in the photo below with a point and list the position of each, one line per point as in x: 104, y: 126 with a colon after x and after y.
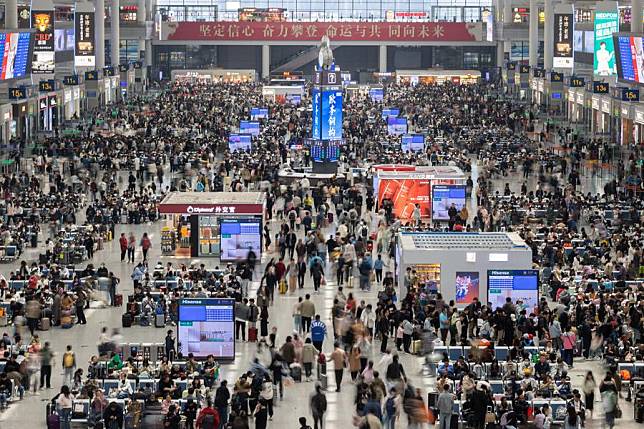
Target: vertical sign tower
x: 326, y: 131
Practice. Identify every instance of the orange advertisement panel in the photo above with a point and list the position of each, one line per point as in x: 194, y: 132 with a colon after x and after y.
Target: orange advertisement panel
x: 405, y: 194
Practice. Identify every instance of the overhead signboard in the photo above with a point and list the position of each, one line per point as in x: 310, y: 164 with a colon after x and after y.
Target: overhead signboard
x: 42, y: 21
x: 563, y: 56
x: 630, y: 57
x: 84, y: 46
x: 600, y: 87
x: 606, y: 23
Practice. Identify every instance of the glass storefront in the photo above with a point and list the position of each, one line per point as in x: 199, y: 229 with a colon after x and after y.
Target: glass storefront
x: 209, y: 235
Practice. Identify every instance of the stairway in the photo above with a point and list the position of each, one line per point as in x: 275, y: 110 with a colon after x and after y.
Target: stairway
x: 299, y: 59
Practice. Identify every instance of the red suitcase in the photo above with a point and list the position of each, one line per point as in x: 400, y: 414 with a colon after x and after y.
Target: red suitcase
x: 118, y: 300
x: 252, y: 335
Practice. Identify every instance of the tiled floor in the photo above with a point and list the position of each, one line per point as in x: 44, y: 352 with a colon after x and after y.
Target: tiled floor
x: 31, y: 411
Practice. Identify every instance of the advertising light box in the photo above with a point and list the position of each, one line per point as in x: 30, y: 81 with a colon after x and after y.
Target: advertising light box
x: 331, y: 115
x: 376, y: 94
x: 207, y: 327
x: 238, y: 236
x: 239, y: 142
x: 404, y: 195
x: 443, y: 196
x: 515, y: 284
x: 412, y: 143
x: 249, y: 127
x: 396, y: 125
x: 259, y: 113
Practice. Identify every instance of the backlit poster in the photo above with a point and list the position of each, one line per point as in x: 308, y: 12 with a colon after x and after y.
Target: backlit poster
x: 206, y: 327
x: 84, y: 49
x: 630, y: 58
x: 606, y: 23
x: 443, y: 196
x: 467, y: 286
x: 405, y: 194
x: 514, y: 284
x: 238, y: 236
x: 24, y: 16
x: 563, y: 41
x: 331, y: 115
x: 42, y: 21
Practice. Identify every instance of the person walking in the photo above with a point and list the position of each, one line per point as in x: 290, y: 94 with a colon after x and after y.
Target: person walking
x: 307, y: 311
x: 339, y: 358
x: 445, y: 404
x: 318, y: 407
x: 318, y: 333
x: 146, y: 243
x: 123, y: 246
x: 131, y: 246
x: 608, y: 392
x: 69, y: 366
x: 588, y: 388
x: 113, y: 282
x: 46, y: 362
x: 64, y: 407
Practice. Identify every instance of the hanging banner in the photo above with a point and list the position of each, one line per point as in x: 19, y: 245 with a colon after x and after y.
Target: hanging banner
x: 42, y: 21
x: 84, y: 48
x: 24, y: 16
x: 606, y: 23
x: 563, y: 56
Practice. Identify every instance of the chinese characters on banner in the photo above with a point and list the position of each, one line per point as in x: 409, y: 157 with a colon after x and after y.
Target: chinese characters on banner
x: 313, y: 31
x: 84, y: 51
x: 42, y: 21
x: 563, y: 50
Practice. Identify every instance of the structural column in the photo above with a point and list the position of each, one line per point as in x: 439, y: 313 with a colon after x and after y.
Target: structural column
x: 141, y: 13
x: 11, y: 14
x: 533, y: 43
x: 507, y: 21
x: 382, y: 59
x: 266, y: 61
x: 115, y: 32
x: 548, y: 34
x: 636, y: 15
x: 99, y: 7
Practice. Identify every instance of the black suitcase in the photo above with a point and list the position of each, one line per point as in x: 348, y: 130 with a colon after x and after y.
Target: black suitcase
x: 126, y: 320
x: 453, y: 424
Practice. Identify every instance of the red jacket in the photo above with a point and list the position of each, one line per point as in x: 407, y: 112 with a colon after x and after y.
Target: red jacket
x: 204, y: 412
x: 123, y: 242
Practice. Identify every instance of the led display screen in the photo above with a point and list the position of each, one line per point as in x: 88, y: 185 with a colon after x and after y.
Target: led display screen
x: 239, y: 142
x: 238, y: 236
x: 396, y: 125
x: 515, y: 284
x: 630, y: 58
x: 249, y: 127
x: 206, y: 327
x: 259, y: 113
x: 443, y: 196
x: 14, y: 52
x: 412, y: 142
x: 376, y: 94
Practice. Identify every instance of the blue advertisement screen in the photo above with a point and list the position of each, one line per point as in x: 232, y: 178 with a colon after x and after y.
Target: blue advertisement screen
x: 396, y: 125
x: 412, y: 142
x: 515, y: 284
x: 331, y: 117
x: 249, y: 127
x: 325, y: 150
x: 207, y: 327
x: 626, y: 66
x: 294, y: 99
x: 443, y: 196
x: 259, y: 113
x: 376, y: 94
x: 239, y: 142
x: 390, y: 112
x: 14, y: 49
x: 238, y: 236
x: 316, y: 132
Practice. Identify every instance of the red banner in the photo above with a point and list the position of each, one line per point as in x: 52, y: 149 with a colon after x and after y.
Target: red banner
x: 313, y: 31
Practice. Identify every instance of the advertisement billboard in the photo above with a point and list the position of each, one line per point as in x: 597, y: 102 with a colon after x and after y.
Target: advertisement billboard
x: 630, y: 58
x: 238, y: 236
x: 249, y: 127
x: 331, y: 115
x: 515, y: 284
x: 206, y: 327
x: 443, y: 196
x: 412, y: 143
x: 259, y: 113
x: 563, y: 56
x: 14, y: 50
x: 396, y: 125
x: 239, y: 142
x: 42, y: 21
x: 84, y: 48
x: 606, y: 23
x: 316, y: 129
x: 404, y: 195
x: 467, y: 286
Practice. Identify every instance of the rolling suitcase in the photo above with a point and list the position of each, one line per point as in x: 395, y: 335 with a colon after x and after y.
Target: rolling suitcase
x: 126, y: 320
x: 53, y: 420
x: 159, y: 320
x: 118, y: 298
x: 453, y: 424
x: 45, y: 324
x: 283, y: 287
x: 324, y: 382
x: 144, y: 321
x: 252, y: 335
x: 296, y: 373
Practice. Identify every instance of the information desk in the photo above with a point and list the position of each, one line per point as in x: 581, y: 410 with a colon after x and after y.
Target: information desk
x: 225, y: 224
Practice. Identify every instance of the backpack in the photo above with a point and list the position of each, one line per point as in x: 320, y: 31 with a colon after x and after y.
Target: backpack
x: 68, y: 360
x: 390, y: 406
x: 208, y: 422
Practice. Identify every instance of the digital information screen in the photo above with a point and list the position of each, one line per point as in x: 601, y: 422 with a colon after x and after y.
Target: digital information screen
x: 239, y: 142
x: 442, y: 198
x: 207, y: 327
x: 396, y: 125
x: 294, y: 99
x: 249, y: 127
x: 259, y: 113
x: 515, y: 284
x: 630, y: 58
x: 325, y: 150
x: 391, y: 111
x: 412, y: 142
x: 14, y: 54
x: 376, y: 94
x: 331, y: 114
x: 238, y: 236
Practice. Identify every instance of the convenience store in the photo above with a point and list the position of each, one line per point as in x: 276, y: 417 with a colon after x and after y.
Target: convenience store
x: 212, y: 224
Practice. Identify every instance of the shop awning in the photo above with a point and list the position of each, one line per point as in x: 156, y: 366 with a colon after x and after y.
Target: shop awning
x: 213, y: 203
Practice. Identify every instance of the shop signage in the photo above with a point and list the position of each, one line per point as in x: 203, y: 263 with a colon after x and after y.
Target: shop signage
x: 600, y: 87
x: 84, y: 49
x: 606, y: 106
x: 46, y: 85
x: 577, y: 82
x: 42, y: 21
x: 524, y: 69
x: 629, y: 94
x: 91, y: 75
x: 580, y: 98
x: 313, y: 31
x: 17, y: 93
x: 43, y: 103
x: 639, y: 116
x: 53, y: 101
x: 539, y: 73
x: 595, y: 103
x: 563, y: 49
x: 212, y: 209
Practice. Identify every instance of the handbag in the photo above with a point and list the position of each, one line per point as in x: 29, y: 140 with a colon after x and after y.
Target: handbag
x: 322, y: 281
x: 618, y: 412
x: 490, y: 417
